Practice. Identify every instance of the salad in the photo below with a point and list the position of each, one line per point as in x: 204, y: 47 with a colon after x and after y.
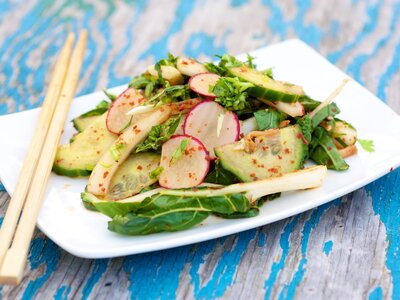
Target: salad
x: 187, y: 140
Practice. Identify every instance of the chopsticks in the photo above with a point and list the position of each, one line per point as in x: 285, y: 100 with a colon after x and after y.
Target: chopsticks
x: 38, y: 162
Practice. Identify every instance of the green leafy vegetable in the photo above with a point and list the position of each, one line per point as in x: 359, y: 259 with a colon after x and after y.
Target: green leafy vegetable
x: 116, y: 151
x: 268, y: 119
x: 101, y: 108
x: 308, y: 103
x: 231, y: 93
x: 220, y: 176
x: 179, y: 151
x: 250, y: 62
x: 110, y: 96
x: 306, y: 127
x: 253, y: 212
x: 146, y: 82
x: 367, y: 145
x: 171, y: 213
x: 324, y: 152
x: 226, y: 61
x: 268, y: 72
x: 328, y: 111
x: 170, y: 94
x: 158, y: 135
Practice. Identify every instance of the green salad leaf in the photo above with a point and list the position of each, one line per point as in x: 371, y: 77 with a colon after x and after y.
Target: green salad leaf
x: 110, y: 96
x: 170, y: 94
x: 308, y: 103
x: 268, y: 119
x: 305, y: 124
x: 173, y: 213
x: 158, y: 135
x: 329, y: 110
x: 324, y: 152
x: 220, y: 176
x: 367, y: 145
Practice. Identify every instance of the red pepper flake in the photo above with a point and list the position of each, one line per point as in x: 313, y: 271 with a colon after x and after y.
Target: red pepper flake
x: 287, y: 151
x: 329, y: 148
x: 253, y: 175
x: 199, y: 148
x: 59, y: 160
x: 292, y: 161
x: 184, y: 62
x: 103, y: 189
x: 139, y: 167
x: 254, y: 161
x: 100, y: 184
x: 132, y: 103
x: 273, y: 170
x: 391, y: 169
x: 105, y: 174
x: 280, y: 157
x: 137, y: 131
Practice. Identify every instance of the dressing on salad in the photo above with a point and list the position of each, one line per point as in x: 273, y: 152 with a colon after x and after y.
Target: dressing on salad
x: 187, y: 140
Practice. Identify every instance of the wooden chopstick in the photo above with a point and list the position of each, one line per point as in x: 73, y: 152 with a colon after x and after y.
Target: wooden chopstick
x: 49, y: 104
x: 11, y: 270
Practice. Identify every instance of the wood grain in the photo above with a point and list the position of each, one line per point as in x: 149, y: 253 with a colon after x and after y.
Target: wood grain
x: 347, y: 249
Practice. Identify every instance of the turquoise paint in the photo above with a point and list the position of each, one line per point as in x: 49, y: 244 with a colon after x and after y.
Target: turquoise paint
x: 42, y: 252
x: 225, y: 270
x: 2, y: 189
x: 389, y: 73
x: 114, y: 79
x: 369, y: 27
x: 98, y: 269
x: 328, y: 247
x: 160, y: 48
x: 238, y: 3
x: 355, y: 67
x: 335, y: 26
x: 376, y: 294
x: 385, y: 194
x: 155, y: 275
x: 202, y: 43
x: 289, y: 290
x: 62, y: 293
x: 278, y: 266
x: 262, y: 239
x: 278, y: 25
x: 1, y: 220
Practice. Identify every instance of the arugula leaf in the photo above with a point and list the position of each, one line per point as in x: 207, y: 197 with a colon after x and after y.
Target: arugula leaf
x: 101, y: 108
x: 146, y: 82
x: 231, y: 93
x: 328, y: 111
x: 220, y: 176
x: 268, y: 119
x: 324, y: 152
x: 172, y: 213
x: 159, y: 134
x: 179, y: 151
x: 226, y: 61
x: 367, y: 145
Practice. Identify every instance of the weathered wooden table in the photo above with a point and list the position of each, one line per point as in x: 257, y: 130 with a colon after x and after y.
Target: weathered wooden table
x: 347, y: 249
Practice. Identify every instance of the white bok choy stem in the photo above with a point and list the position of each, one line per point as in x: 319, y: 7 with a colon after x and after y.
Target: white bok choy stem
x: 330, y: 98
x: 311, y: 177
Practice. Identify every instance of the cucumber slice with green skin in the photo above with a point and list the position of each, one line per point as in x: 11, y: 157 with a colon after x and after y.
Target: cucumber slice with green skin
x: 266, y: 87
x: 79, y: 157
x: 133, y: 175
x: 277, y: 152
x: 81, y: 123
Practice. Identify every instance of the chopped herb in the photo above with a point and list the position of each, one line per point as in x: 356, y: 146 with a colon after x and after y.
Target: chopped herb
x: 170, y: 94
x: 116, y: 151
x: 156, y: 172
x: 367, y: 145
x: 328, y: 111
x: 250, y: 62
x: 231, y: 93
x: 268, y: 72
x: 306, y: 127
x: 158, y: 135
x: 179, y: 151
x: 110, y: 96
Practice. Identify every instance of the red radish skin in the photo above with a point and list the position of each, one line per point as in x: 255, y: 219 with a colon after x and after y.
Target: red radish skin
x: 190, y: 169
x: 202, y: 123
x: 117, y: 119
x: 201, y: 84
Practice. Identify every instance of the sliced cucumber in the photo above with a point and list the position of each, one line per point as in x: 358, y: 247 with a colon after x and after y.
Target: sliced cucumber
x: 266, y: 87
x: 83, y: 121
x: 80, y: 156
x: 133, y: 175
x: 276, y: 152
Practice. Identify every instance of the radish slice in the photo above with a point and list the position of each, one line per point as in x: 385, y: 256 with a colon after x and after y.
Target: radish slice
x: 189, y: 67
x: 184, y: 161
x: 295, y: 109
x: 212, y: 125
x: 117, y: 119
x: 201, y: 83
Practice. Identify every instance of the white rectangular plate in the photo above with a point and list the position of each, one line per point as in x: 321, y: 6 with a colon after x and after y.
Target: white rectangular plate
x: 84, y: 233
